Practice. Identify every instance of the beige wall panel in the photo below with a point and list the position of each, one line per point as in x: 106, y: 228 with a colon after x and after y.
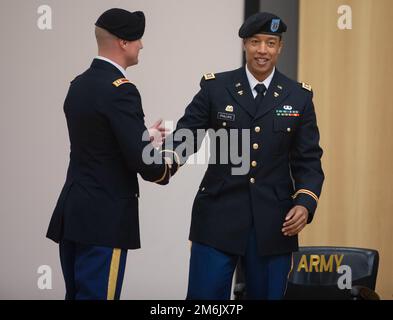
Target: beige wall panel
x: 351, y: 73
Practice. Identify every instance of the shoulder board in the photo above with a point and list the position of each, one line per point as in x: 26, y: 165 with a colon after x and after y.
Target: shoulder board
x: 209, y: 76
x: 120, y: 81
x: 306, y: 86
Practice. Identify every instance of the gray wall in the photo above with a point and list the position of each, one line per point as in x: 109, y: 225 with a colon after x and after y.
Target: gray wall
x: 288, y: 10
x: 183, y: 40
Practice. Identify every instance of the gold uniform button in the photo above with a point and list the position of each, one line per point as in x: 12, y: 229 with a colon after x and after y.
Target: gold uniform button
x: 257, y: 129
x: 224, y: 124
x: 289, y: 129
x: 255, y: 146
x: 252, y: 180
x: 254, y: 164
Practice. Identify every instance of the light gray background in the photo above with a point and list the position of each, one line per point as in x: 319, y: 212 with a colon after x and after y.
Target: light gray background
x: 183, y: 40
x: 288, y: 10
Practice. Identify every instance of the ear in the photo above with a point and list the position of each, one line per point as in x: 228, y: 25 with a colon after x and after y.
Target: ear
x: 281, y: 44
x: 122, y: 44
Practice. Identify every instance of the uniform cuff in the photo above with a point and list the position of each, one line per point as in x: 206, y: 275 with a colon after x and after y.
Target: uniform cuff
x: 164, y: 179
x: 307, y: 199
x: 174, y: 160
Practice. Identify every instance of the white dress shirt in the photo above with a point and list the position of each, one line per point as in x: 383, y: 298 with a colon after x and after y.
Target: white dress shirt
x: 121, y: 69
x: 253, y: 82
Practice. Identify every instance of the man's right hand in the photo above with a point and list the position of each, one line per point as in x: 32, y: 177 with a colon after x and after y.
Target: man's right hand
x: 157, y: 133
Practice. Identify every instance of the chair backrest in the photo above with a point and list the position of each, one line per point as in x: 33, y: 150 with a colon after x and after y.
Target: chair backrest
x: 315, y: 275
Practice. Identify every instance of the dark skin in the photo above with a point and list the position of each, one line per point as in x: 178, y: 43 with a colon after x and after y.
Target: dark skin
x: 295, y: 221
x: 262, y: 52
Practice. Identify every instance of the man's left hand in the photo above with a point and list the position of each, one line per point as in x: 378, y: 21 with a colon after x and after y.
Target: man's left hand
x: 295, y: 221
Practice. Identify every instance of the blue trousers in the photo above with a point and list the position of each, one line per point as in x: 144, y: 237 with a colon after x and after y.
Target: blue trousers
x: 92, y: 272
x: 211, y: 273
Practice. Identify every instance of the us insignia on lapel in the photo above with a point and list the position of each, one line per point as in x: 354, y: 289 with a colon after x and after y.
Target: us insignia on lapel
x: 120, y: 81
x: 240, y: 92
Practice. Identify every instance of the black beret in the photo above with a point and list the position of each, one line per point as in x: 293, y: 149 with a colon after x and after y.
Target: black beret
x: 123, y: 24
x: 262, y: 22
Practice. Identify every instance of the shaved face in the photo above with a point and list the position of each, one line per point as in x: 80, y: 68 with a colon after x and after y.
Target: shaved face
x: 262, y: 53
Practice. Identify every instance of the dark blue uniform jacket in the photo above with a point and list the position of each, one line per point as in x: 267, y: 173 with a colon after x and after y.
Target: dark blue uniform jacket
x: 98, y: 204
x: 285, y: 161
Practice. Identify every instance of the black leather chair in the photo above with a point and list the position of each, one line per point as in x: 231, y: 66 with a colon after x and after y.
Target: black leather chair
x: 314, y: 274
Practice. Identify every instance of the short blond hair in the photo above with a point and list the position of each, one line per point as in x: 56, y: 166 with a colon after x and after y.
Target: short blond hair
x: 104, y: 38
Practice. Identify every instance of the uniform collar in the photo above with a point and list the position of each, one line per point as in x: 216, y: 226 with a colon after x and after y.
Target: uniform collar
x: 253, y: 81
x: 121, y: 69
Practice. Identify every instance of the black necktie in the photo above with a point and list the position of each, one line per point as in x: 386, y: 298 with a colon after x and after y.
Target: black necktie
x: 261, y: 89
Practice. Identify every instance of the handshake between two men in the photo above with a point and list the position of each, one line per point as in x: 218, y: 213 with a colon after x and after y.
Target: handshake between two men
x: 259, y: 191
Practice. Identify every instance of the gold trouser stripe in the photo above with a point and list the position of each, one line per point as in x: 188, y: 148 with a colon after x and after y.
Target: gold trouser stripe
x: 113, y: 273
x: 164, y: 175
x: 289, y: 273
x: 308, y: 192
x: 292, y: 262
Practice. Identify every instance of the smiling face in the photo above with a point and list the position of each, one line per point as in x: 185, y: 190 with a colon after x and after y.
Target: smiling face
x: 262, y: 51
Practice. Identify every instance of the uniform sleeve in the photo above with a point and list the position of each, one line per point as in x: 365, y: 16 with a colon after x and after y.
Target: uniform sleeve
x: 191, y: 127
x: 305, y: 162
x: 126, y: 119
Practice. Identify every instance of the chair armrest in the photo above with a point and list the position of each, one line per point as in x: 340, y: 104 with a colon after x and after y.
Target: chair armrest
x: 363, y: 293
x: 239, y: 291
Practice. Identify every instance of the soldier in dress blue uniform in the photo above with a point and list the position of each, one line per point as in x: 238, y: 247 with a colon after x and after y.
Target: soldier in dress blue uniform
x: 256, y: 216
x: 95, y: 220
